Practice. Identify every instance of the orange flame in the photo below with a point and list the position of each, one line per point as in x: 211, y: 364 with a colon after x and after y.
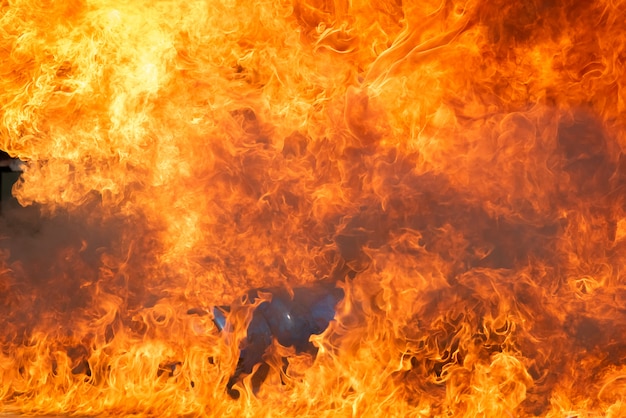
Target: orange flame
x: 456, y: 166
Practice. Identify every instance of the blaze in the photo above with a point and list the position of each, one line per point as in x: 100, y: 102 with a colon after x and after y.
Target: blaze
x: 454, y: 169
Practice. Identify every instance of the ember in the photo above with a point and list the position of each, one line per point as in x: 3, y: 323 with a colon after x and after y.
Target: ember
x: 314, y: 208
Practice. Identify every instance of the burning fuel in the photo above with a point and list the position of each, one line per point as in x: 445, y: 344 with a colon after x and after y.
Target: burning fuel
x: 314, y: 208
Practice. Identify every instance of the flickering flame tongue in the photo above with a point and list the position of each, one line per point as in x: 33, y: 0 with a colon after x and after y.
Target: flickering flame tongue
x: 454, y: 170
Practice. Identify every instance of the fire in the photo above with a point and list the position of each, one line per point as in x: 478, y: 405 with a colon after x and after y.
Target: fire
x: 449, y: 174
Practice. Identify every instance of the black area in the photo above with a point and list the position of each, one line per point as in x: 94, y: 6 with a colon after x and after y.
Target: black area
x: 7, y: 180
x: 288, y: 318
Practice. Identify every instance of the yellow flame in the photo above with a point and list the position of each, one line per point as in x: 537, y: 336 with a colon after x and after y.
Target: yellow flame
x: 455, y: 166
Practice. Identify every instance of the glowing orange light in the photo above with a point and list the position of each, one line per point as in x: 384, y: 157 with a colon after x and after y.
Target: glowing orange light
x: 455, y: 167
